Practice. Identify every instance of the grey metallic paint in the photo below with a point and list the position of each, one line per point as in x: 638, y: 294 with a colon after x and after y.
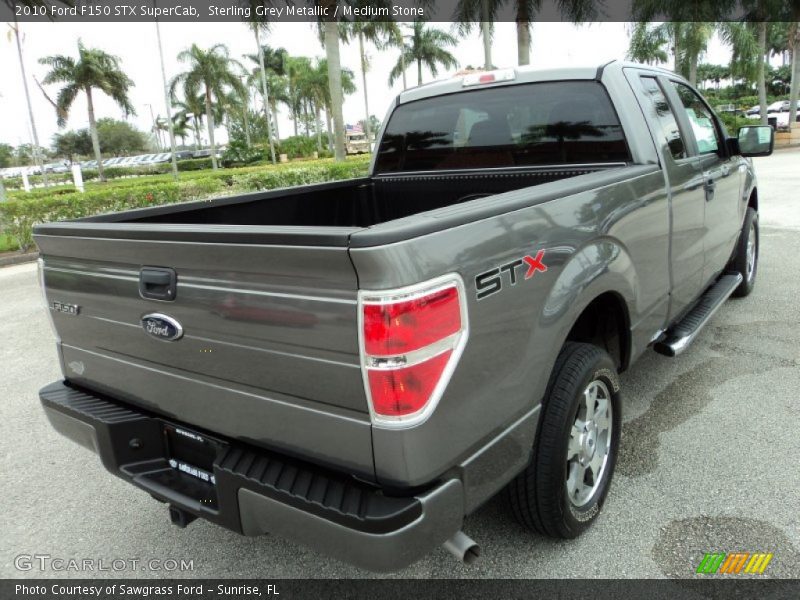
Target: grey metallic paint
x: 645, y: 234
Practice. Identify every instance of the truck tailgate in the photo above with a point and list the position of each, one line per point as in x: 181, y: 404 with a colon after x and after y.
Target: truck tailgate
x: 269, y: 352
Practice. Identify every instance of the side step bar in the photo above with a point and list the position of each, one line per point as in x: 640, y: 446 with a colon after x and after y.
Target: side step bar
x: 682, y: 334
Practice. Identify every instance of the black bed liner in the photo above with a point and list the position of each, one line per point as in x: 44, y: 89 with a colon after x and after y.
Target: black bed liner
x: 352, y: 213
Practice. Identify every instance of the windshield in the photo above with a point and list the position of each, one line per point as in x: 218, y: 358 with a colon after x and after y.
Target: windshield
x: 565, y: 122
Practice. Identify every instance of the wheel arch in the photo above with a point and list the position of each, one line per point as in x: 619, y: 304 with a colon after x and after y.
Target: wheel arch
x: 605, y: 322
x: 598, y: 280
x: 752, y: 201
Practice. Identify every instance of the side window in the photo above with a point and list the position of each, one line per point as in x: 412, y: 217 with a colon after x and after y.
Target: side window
x: 665, y: 117
x: 705, y: 132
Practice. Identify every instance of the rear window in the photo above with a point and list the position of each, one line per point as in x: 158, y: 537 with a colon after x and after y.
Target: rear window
x: 566, y: 122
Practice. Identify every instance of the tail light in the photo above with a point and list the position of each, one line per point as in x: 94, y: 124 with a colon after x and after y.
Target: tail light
x: 411, y: 339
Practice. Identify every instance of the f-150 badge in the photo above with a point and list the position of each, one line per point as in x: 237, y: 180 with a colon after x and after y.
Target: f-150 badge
x: 67, y: 309
x: 490, y: 282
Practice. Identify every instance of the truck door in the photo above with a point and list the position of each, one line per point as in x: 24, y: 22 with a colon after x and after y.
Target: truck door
x: 684, y: 181
x: 721, y: 178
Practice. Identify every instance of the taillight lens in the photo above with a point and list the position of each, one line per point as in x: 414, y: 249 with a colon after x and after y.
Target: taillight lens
x: 405, y: 391
x: 411, y: 340
x: 410, y: 325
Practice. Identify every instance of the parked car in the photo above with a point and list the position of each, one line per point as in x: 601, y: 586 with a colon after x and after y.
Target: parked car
x: 358, y: 365
x: 356, y: 143
x: 731, y: 109
x: 781, y: 106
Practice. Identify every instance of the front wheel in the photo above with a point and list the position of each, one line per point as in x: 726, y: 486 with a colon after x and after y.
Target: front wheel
x: 562, y: 490
x: 745, y: 261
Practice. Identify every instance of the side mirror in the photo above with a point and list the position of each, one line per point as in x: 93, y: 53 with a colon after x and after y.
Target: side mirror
x: 756, y: 140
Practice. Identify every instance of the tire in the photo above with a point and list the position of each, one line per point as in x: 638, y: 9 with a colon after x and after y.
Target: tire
x: 741, y: 262
x: 543, y: 497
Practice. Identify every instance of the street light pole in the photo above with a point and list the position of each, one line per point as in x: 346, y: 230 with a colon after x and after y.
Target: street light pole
x: 166, y: 102
x: 155, y: 130
x: 36, y: 156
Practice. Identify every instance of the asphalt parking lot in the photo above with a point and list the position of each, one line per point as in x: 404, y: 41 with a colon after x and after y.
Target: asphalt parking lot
x: 710, y: 457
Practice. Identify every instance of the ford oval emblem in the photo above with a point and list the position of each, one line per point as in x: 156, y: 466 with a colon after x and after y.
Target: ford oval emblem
x: 162, y: 327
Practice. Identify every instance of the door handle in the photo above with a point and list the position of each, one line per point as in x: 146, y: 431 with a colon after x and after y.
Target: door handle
x: 711, y: 187
x: 158, y: 283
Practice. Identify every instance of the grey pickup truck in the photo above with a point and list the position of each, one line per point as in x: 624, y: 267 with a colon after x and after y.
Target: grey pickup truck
x: 358, y: 365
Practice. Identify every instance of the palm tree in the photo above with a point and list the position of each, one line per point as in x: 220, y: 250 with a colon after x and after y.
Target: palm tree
x: 94, y: 69
x: 296, y: 67
x: 379, y: 33
x: 484, y: 12
x: 264, y: 83
x: 696, y: 36
x: 748, y: 57
x: 190, y: 109
x: 794, y: 44
x: 315, y: 91
x: 180, y: 126
x: 647, y: 44
x: 278, y: 94
x: 211, y: 72
x: 689, y: 41
x: 320, y: 91
x: 236, y: 107
x: 713, y: 73
x: 331, y: 31
x: 745, y: 51
x: 274, y: 59
x: 426, y: 47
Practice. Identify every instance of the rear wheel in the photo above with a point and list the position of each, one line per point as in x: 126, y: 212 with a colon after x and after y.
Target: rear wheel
x: 563, y: 488
x: 745, y: 261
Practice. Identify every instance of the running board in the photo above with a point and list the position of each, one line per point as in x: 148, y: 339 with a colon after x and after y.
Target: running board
x: 682, y: 334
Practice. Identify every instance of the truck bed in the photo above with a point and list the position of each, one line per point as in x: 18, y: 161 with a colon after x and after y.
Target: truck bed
x: 353, y: 203
x: 267, y: 295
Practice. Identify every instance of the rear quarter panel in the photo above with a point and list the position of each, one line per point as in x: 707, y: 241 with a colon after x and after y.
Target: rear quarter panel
x: 609, y: 238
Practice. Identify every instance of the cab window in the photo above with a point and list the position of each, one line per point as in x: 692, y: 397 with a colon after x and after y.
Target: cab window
x: 700, y: 118
x: 670, y: 131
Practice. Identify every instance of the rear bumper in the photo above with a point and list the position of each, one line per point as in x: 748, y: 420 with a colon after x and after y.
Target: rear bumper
x: 256, y: 491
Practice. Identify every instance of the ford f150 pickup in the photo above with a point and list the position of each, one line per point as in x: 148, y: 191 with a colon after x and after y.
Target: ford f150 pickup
x: 358, y: 365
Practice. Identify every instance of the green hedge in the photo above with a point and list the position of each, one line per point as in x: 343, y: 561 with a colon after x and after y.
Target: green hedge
x: 22, y: 212
x: 193, y: 164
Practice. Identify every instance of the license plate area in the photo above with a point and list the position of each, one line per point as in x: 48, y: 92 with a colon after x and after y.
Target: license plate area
x: 190, y: 453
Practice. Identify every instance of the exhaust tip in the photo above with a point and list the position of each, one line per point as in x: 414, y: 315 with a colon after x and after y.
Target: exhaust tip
x: 463, y: 548
x: 472, y: 554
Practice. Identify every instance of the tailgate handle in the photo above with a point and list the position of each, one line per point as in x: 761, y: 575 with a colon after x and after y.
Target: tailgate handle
x: 158, y: 283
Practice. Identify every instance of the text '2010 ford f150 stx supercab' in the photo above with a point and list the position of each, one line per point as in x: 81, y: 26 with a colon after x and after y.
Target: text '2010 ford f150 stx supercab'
x: 358, y: 365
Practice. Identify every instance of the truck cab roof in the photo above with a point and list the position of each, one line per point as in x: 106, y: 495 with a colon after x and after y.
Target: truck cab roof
x: 516, y: 76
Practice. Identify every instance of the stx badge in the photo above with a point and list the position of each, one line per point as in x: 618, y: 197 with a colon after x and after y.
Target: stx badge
x: 490, y: 282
